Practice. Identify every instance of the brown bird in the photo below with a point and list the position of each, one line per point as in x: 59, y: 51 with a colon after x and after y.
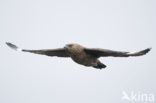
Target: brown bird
x: 82, y: 55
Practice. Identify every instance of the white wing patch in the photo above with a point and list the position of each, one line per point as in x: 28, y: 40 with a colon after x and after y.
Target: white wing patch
x: 13, y: 46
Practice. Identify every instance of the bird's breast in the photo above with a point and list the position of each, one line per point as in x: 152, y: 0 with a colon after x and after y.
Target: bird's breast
x: 82, y: 58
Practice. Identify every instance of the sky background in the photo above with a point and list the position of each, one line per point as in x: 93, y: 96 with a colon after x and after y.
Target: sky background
x: 125, y: 25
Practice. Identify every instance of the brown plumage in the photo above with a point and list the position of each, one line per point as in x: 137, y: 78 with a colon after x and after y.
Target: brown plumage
x: 82, y: 55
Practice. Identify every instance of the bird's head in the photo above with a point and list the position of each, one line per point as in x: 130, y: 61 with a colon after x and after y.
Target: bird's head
x: 73, y: 47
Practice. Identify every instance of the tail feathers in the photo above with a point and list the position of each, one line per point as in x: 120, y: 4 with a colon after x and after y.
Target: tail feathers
x: 100, y: 65
x: 13, y: 46
x: 143, y: 52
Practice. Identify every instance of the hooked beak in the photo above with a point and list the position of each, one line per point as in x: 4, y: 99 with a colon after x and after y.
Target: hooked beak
x: 65, y: 47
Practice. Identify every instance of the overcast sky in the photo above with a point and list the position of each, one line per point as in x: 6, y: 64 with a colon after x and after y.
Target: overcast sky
x: 126, y: 25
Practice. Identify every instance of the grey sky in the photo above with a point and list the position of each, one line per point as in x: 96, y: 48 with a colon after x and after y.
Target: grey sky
x: 126, y: 25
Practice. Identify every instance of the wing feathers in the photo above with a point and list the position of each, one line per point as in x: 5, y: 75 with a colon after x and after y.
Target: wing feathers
x: 60, y: 52
x: 143, y: 52
x: 105, y: 52
x: 13, y: 46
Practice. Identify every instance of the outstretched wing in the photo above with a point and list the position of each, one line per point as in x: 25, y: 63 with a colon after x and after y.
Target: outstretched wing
x: 60, y: 52
x: 105, y: 52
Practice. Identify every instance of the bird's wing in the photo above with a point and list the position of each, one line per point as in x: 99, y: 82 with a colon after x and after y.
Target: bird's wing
x: 60, y: 52
x: 105, y: 52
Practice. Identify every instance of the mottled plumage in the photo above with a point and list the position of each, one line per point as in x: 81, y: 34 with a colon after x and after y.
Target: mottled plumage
x: 82, y: 55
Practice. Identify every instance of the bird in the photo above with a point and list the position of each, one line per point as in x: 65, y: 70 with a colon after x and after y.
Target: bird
x: 88, y: 57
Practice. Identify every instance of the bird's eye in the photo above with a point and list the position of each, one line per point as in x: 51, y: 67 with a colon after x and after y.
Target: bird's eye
x: 70, y: 45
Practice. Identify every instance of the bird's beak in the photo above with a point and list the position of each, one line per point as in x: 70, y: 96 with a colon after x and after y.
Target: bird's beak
x: 65, y: 47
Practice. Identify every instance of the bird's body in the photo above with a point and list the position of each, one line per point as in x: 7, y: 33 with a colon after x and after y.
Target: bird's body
x: 82, y: 55
x: 79, y: 56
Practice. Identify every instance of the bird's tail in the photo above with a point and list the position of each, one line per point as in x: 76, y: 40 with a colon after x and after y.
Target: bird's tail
x: 143, y: 52
x: 100, y: 65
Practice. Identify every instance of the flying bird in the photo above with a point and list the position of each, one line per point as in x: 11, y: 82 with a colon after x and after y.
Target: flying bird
x: 85, y: 56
